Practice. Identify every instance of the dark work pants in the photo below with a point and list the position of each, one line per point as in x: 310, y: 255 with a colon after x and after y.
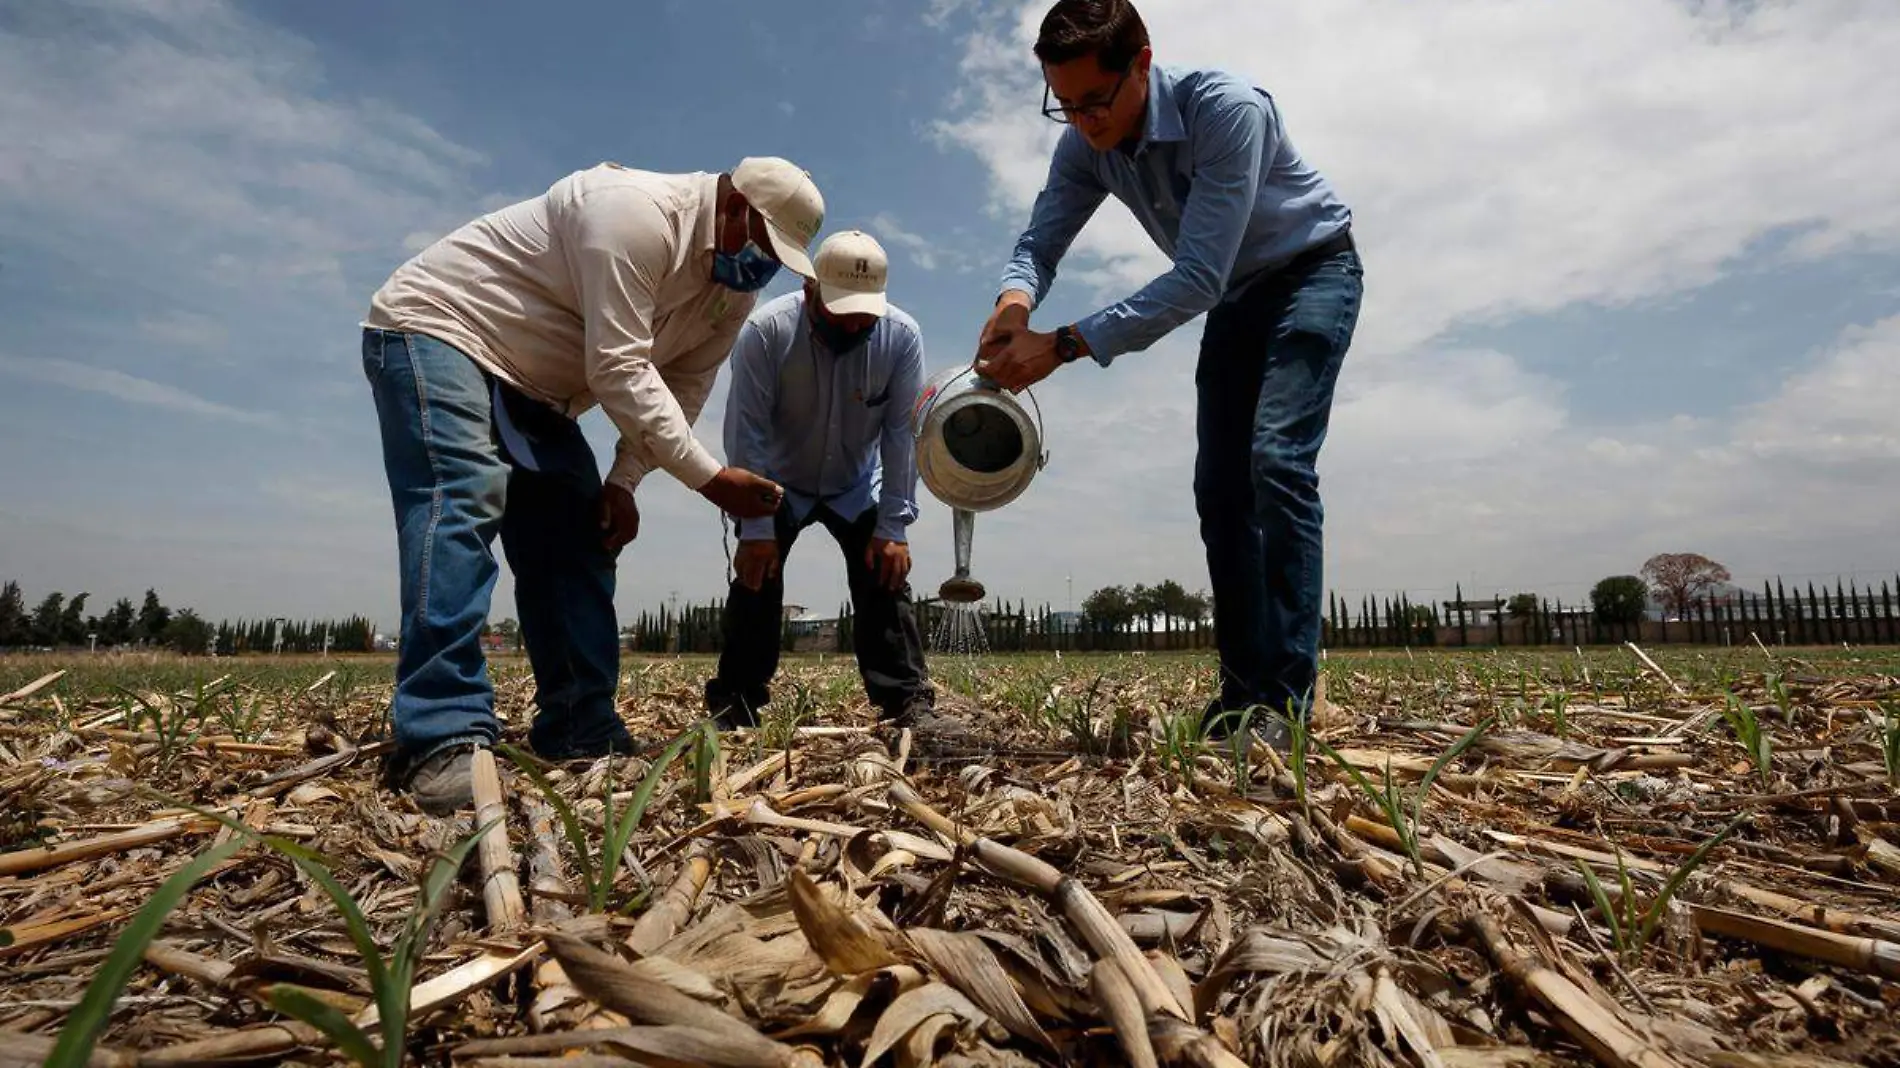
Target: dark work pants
x: 885, y: 636
x: 1267, y: 369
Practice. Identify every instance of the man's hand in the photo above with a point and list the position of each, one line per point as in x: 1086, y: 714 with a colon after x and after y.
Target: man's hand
x: 756, y: 561
x: 889, y: 561
x: 619, y: 518
x: 1011, y: 315
x: 1024, y: 359
x: 741, y: 493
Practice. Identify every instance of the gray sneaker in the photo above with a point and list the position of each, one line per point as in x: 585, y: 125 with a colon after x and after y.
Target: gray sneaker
x: 445, y: 782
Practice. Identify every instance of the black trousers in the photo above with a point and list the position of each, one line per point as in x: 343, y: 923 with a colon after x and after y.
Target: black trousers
x: 885, y: 635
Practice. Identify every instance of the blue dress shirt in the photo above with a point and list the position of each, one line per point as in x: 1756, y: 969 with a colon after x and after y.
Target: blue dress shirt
x: 1213, y: 179
x: 822, y: 424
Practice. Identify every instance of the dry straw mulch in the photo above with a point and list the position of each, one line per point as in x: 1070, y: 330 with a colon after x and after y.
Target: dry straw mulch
x: 819, y: 893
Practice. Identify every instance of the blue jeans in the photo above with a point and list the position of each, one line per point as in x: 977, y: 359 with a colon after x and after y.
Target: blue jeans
x: 1265, y: 379
x: 456, y: 483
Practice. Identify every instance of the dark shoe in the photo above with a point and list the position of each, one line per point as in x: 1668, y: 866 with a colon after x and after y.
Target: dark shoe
x: 445, y: 783
x: 733, y: 711
x: 1219, y: 724
x: 734, y: 717
x: 617, y: 743
x: 922, y: 718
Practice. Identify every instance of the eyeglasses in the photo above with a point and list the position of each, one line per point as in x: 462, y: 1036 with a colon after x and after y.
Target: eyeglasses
x: 1068, y: 113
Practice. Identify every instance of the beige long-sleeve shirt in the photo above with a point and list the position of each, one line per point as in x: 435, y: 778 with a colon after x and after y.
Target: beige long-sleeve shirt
x: 598, y: 291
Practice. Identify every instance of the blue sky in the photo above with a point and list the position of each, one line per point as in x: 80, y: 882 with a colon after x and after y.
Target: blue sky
x: 1633, y: 274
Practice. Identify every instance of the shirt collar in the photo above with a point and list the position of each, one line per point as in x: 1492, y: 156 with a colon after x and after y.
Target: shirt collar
x: 704, y: 226
x: 1161, y: 121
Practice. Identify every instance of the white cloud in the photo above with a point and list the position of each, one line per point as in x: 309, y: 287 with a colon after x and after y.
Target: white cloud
x: 129, y: 388
x: 1844, y: 408
x: 191, y: 156
x: 890, y: 232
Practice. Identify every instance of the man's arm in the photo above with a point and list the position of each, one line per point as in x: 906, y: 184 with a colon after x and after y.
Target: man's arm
x: 1233, y: 137
x: 690, y: 378
x: 749, y: 403
x: 1068, y: 199
x: 897, y: 450
x: 619, y: 252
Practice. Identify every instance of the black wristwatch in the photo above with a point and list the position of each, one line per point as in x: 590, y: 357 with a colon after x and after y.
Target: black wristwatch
x: 1068, y: 344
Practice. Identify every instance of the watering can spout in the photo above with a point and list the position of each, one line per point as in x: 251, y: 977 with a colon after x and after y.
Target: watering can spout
x: 961, y: 588
x: 977, y: 450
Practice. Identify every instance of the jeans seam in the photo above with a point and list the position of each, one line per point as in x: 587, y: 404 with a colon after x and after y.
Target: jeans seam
x: 435, y: 482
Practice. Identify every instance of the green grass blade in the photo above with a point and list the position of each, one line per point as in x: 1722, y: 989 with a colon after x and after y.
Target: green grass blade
x: 1364, y: 784
x: 330, y: 1020
x: 88, y: 1020
x: 392, y: 996
x: 621, y: 831
x: 318, y: 867
x: 1604, y: 908
x: 1457, y: 748
x: 570, y: 820
x: 1680, y: 875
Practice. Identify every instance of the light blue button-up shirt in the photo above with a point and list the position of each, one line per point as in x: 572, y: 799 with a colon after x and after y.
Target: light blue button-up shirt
x: 1213, y: 179
x: 829, y: 428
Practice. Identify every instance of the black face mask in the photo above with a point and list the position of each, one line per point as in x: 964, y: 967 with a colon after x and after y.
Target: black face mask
x: 836, y: 338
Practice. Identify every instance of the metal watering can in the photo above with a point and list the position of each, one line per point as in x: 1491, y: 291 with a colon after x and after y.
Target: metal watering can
x: 976, y: 450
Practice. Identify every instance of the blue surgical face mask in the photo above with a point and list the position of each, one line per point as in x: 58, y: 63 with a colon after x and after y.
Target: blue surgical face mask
x: 836, y: 338
x: 748, y: 270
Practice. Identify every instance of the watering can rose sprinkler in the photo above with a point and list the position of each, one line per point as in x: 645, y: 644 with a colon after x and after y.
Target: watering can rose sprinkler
x: 977, y: 450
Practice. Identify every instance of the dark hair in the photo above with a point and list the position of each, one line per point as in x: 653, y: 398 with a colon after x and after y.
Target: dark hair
x: 1110, y: 30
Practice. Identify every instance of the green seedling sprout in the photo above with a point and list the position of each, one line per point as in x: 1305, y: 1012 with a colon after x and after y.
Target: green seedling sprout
x: 1390, y: 800
x: 391, y: 978
x: 1754, y: 741
x: 598, y: 878
x: 1631, y: 932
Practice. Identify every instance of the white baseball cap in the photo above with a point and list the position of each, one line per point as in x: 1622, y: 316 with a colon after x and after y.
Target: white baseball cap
x: 790, y: 202
x: 852, y: 270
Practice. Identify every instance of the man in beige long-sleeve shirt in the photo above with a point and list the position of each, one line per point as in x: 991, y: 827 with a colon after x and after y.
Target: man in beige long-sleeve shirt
x: 617, y: 287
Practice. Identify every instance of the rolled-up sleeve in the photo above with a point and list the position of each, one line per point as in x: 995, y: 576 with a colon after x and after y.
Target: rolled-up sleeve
x: 1068, y: 199
x: 897, y: 450
x: 1233, y: 137
x: 620, y: 247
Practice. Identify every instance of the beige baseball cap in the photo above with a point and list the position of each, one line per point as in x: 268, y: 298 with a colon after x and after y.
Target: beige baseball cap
x: 790, y: 202
x: 852, y: 270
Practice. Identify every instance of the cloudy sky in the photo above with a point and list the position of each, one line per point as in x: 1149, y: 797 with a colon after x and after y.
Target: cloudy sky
x: 1633, y: 274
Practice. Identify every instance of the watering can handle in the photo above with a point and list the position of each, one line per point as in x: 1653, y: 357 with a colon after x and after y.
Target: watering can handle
x: 982, y: 382
x: 1042, y: 433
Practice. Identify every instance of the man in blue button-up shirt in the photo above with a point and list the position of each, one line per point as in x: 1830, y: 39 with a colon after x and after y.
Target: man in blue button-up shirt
x: 823, y: 382
x: 1261, y: 245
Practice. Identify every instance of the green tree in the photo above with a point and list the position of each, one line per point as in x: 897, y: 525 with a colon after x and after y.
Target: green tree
x: 72, y: 621
x: 115, y: 627
x: 46, y: 619
x: 15, y: 624
x: 1521, y: 606
x: 154, y: 617
x: 1146, y: 602
x: 1110, y: 608
x: 1619, y: 599
x: 188, y: 633
x: 510, y: 633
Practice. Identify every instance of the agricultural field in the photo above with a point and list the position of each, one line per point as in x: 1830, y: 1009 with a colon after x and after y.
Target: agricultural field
x: 1620, y: 856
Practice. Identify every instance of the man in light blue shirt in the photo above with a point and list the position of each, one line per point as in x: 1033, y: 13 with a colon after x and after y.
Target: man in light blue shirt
x: 1262, y: 246
x: 823, y: 382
